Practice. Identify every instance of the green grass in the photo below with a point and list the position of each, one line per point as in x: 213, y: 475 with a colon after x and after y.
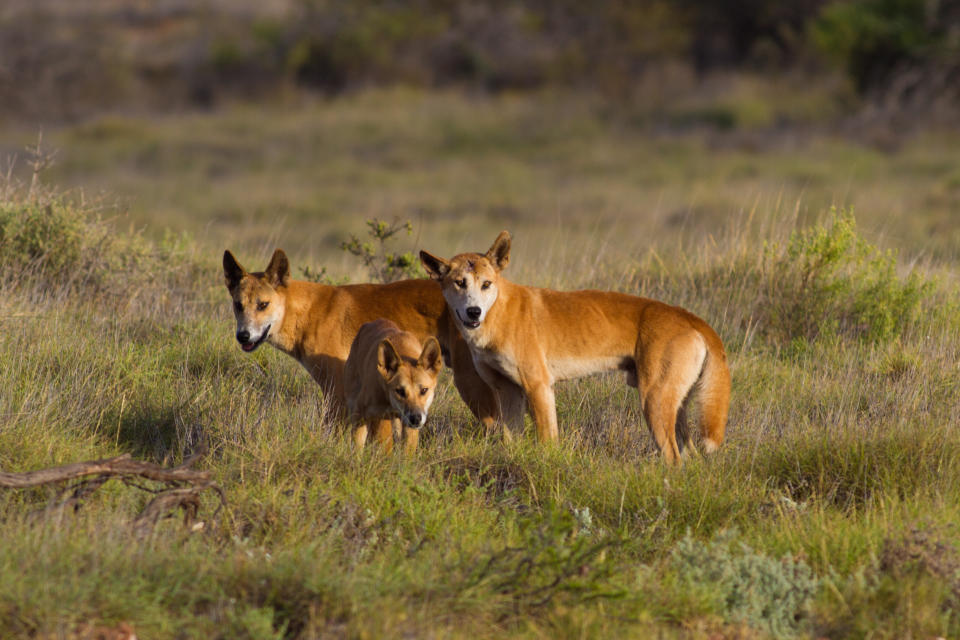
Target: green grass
x: 551, y: 168
x: 839, y: 479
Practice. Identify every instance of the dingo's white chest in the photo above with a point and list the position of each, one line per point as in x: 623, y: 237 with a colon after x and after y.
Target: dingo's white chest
x: 499, y: 361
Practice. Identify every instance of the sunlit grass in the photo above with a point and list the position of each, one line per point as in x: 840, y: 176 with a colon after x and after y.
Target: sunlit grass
x: 838, y: 448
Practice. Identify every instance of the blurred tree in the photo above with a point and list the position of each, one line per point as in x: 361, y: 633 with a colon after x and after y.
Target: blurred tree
x: 728, y: 34
x: 875, y: 39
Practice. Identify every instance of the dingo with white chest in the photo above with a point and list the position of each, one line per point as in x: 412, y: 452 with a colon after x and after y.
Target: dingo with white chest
x: 533, y: 337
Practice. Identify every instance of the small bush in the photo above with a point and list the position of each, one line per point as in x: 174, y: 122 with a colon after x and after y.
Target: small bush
x: 559, y: 558
x: 382, y: 264
x: 320, y: 275
x: 748, y: 587
x: 828, y: 280
x: 57, y: 246
x: 48, y: 236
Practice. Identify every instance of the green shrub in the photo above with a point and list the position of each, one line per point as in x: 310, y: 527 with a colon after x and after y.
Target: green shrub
x: 747, y: 587
x: 559, y: 558
x: 383, y: 264
x: 828, y: 280
x: 60, y: 246
x: 50, y: 237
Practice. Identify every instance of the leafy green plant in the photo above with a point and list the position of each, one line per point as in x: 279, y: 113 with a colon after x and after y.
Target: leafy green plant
x: 828, y: 280
x: 747, y: 587
x: 321, y: 275
x: 50, y: 240
x: 49, y: 236
x: 383, y: 264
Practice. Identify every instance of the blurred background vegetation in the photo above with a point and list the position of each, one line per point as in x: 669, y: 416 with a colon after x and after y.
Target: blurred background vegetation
x: 641, y: 122
x: 63, y: 59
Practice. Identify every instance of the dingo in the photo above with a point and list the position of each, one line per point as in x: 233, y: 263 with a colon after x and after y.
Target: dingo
x: 388, y: 375
x: 316, y: 323
x: 534, y: 337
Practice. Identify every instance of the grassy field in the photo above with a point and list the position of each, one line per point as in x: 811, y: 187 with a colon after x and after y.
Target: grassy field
x: 830, y: 511
x: 551, y: 168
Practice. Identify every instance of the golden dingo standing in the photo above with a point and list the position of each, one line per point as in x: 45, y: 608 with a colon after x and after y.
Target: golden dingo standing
x: 388, y: 377
x: 316, y: 323
x: 533, y: 337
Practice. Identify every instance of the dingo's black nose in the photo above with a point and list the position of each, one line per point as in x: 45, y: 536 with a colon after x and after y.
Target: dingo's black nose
x: 473, y: 313
x: 415, y: 420
x: 243, y: 337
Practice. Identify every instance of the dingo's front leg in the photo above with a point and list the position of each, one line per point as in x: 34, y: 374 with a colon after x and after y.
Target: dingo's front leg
x: 543, y: 406
x: 411, y: 437
x: 476, y: 393
x: 509, y: 399
x: 384, y: 434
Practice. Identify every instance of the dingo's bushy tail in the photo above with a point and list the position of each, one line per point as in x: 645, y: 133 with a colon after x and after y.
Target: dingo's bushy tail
x: 711, y: 394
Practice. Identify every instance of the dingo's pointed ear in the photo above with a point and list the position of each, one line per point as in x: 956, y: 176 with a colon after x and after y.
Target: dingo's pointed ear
x: 430, y: 359
x: 232, y: 271
x: 278, y: 271
x: 388, y: 361
x: 499, y: 252
x: 436, y: 267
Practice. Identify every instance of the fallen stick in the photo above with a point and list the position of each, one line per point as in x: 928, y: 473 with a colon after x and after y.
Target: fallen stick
x: 183, y: 486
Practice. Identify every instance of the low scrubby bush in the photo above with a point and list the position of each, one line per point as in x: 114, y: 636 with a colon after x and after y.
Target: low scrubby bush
x: 58, y: 246
x: 748, y: 587
x: 828, y: 280
x: 560, y: 557
x: 382, y: 264
x: 822, y: 282
x: 49, y: 237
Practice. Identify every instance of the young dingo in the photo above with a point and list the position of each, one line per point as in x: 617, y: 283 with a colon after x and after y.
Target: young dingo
x: 388, y: 375
x: 534, y: 337
x: 316, y: 323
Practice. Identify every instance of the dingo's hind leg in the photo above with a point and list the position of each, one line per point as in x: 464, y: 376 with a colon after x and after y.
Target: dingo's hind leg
x: 660, y: 410
x: 682, y: 431
x: 360, y: 435
x: 667, y: 369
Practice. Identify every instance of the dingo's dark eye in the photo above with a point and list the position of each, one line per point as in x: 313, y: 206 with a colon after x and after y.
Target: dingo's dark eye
x: 461, y: 283
x: 401, y: 393
x: 238, y: 306
x: 262, y: 305
x: 486, y: 285
x: 423, y: 391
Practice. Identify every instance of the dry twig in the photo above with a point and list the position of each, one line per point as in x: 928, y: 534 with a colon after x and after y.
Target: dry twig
x: 181, y: 486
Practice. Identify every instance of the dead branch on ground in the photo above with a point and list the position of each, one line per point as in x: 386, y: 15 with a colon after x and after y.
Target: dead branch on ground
x: 179, y: 487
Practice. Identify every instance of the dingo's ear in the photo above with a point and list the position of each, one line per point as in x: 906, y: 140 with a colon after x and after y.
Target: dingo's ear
x: 232, y: 271
x: 278, y: 271
x: 388, y: 361
x: 436, y: 267
x: 430, y: 359
x: 499, y: 252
